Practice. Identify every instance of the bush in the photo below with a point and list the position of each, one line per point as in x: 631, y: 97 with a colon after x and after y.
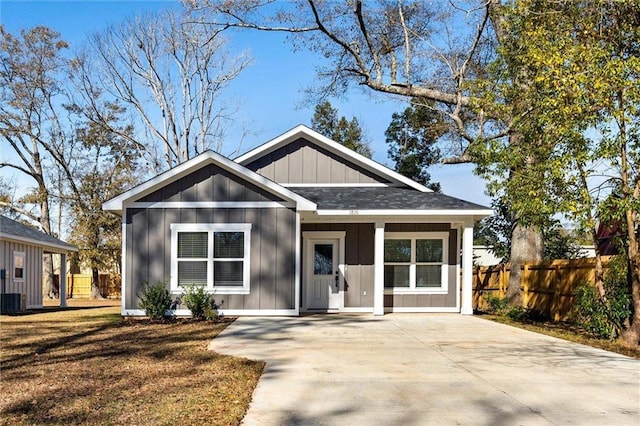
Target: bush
x: 197, y: 300
x: 201, y: 304
x: 155, y: 300
x: 605, y: 317
x: 517, y: 313
x: 497, y: 305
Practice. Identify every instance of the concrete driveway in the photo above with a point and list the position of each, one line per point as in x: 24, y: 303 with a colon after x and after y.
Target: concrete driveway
x: 423, y: 369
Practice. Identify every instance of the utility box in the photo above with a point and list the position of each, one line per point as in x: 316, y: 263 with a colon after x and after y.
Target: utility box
x: 13, y: 302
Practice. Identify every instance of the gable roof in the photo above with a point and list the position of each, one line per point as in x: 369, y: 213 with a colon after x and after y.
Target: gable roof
x: 16, y: 231
x: 117, y: 203
x: 388, y: 201
x: 312, y: 136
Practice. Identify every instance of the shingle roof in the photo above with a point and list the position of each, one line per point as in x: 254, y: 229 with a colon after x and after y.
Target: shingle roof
x: 10, y: 229
x: 382, y: 198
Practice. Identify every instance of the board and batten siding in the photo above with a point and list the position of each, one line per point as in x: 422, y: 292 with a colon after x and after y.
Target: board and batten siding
x: 302, y: 162
x: 428, y: 300
x: 272, y: 256
x: 359, y: 255
x: 32, y: 284
x: 358, y: 279
x: 209, y: 183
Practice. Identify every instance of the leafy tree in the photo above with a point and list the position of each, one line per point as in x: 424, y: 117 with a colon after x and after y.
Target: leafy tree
x: 412, y: 137
x: 107, y: 168
x: 348, y: 133
x: 397, y: 48
x: 495, y: 231
x: 170, y: 74
x: 582, y: 59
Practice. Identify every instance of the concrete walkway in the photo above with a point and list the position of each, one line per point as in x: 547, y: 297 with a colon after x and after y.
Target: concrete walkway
x: 427, y: 369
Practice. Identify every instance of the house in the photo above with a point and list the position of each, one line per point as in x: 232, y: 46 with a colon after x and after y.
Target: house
x: 298, y: 224
x: 21, y: 264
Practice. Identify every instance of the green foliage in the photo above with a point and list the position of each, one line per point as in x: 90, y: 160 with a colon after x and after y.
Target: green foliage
x: 517, y: 313
x: 412, y: 136
x: 155, y: 300
x: 501, y: 306
x: 197, y: 299
x: 348, y: 133
x: 201, y: 303
x: 605, y: 317
x: 496, y: 304
x: 495, y: 231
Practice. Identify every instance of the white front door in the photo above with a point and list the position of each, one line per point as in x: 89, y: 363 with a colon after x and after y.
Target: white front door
x: 323, y: 276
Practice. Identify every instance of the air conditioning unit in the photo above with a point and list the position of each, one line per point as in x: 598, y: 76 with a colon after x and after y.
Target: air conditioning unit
x: 13, y: 302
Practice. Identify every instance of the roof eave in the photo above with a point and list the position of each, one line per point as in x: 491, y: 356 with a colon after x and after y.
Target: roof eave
x: 53, y: 247
x: 475, y: 213
x: 117, y: 204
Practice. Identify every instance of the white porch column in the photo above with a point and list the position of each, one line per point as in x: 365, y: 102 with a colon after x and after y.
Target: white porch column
x: 63, y: 280
x: 467, y: 270
x: 378, y: 270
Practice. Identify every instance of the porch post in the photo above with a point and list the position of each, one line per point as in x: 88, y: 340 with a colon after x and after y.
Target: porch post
x: 378, y: 270
x: 63, y: 280
x: 467, y: 269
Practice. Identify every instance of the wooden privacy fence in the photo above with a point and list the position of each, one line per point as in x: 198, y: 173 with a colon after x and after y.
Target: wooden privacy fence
x: 79, y: 285
x: 547, y: 287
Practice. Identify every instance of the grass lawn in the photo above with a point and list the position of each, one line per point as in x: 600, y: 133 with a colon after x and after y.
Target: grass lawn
x: 88, y: 366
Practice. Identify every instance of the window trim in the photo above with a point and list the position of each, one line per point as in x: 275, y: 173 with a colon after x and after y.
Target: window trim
x: 210, y: 229
x: 444, y: 271
x: 19, y: 254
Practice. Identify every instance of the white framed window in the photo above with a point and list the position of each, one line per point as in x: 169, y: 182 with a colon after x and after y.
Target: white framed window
x: 18, y: 273
x: 416, y: 262
x: 215, y: 256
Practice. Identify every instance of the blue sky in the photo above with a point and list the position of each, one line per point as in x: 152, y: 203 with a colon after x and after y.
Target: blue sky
x: 269, y: 93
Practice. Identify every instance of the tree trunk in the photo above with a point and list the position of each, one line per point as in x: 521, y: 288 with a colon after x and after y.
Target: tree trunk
x: 45, y: 222
x: 47, y: 272
x: 631, y: 335
x: 95, y: 284
x: 526, y: 246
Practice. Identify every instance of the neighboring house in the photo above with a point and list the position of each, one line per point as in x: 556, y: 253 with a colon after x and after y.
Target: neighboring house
x: 21, y: 263
x: 298, y: 224
x: 483, y: 256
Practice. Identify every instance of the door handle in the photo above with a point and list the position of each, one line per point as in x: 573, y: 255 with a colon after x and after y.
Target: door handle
x: 337, y: 279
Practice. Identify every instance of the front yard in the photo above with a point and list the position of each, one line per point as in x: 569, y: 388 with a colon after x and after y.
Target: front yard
x: 88, y: 366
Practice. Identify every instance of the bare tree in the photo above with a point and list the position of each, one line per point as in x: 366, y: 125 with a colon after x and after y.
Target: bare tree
x: 434, y: 51
x: 30, y: 124
x: 169, y: 74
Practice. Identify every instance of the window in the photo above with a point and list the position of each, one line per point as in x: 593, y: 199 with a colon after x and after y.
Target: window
x: 18, y: 266
x: 415, y: 262
x: 215, y: 256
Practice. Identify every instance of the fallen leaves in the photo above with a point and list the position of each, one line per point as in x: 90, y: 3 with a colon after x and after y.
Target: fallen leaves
x: 92, y: 367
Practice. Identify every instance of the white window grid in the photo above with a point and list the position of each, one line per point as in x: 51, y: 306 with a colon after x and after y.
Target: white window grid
x: 210, y: 229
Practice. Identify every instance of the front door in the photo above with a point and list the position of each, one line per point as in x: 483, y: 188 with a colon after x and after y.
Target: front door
x: 323, y: 275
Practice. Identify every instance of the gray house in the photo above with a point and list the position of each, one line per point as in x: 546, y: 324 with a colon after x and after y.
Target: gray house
x: 21, y: 258
x: 298, y: 224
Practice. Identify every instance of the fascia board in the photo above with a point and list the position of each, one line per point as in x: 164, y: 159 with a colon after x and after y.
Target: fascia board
x: 56, y: 248
x: 116, y: 204
x: 330, y: 145
x: 480, y: 213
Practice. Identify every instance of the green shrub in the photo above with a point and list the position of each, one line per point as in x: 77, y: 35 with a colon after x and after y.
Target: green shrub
x: 155, y: 300
x: 517, y: 313
x: 605, y: 317
x: 497, y: 305
x: 201, y: 304
x: 198, y: 301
